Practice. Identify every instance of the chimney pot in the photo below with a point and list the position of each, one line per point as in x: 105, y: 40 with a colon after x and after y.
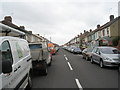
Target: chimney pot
x: 22, y: 27
x: 30, y: 32
x: 98, y: 26
x: 111, y: 17
x: 90, y: 30
x: 84, y: 31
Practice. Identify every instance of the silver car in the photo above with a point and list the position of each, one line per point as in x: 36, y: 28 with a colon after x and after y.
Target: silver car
x: 105, y: 56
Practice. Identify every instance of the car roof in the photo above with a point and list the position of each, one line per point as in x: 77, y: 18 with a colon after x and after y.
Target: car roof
x: 106, y: 47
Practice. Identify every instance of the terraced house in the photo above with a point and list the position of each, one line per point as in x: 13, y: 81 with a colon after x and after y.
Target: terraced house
x: 7, y: 26
x: 104, y: 35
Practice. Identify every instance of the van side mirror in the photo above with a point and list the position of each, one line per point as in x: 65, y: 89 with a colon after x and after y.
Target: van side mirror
x: 6, y: 67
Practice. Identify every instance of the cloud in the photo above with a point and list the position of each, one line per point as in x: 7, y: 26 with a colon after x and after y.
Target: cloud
x: 61, y: 20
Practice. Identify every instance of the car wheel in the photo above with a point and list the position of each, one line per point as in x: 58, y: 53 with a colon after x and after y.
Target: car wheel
x: 86, y: 58
x: 29, y: 86
x: 91, y: 60
x: 101, y: 64
x: 119, y: 69
x: 83, y: 57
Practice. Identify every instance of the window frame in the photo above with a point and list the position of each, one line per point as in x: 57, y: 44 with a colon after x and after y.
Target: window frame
x: 9, y: 48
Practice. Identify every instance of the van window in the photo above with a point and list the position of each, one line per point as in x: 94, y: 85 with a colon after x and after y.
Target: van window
x: 6, y: 52
x: 19, y: 50
x: 35, y: 46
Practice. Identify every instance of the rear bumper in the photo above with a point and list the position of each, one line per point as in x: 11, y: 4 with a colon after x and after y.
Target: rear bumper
x: 38, y: 65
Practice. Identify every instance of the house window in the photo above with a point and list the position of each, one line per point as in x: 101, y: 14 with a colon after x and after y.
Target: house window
x: 103, y: 32
x: 107, y: 31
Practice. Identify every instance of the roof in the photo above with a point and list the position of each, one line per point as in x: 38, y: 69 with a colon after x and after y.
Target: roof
x: 105, y: 47
x: 109, y: 23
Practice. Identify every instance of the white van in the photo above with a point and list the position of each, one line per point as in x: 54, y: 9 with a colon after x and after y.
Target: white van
x: 41, y: 56
x: 15, y: 59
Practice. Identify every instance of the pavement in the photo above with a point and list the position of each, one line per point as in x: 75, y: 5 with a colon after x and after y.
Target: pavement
x: 71, y: 71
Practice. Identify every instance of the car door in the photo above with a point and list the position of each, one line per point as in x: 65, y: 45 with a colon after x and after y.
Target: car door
x: 97, y: 55
x: 7, y: 79
x: 94, y: 54
x: 0, y: 68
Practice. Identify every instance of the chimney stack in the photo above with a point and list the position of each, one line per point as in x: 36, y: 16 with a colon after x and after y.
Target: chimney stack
x: 8, y: 18
x: 84, y: 31
x: 90, y: 30
x: 30, y: 32
x: 111, y: 17
x: 38, y: 34
x: 98, y: 26
x: 22, y: 27
x: 80, y: 33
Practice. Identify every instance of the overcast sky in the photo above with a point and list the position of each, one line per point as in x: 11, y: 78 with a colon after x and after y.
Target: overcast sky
x: 61, y: 20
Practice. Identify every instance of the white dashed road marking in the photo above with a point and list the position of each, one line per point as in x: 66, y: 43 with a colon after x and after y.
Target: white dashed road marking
x: 64, y: 55
x: 78, y: 84
x: 66, y: 58
x: 70, y: 66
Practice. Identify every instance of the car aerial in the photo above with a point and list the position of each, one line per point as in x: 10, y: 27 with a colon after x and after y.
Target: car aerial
x: 16, y: 63
x: 77, y: 50
x: 105, y: 56
x: 87, y: 53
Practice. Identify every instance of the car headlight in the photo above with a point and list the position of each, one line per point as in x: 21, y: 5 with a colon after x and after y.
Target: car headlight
x: 107, y: 59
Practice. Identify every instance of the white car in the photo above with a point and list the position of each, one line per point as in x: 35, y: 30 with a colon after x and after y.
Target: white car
x: 16, y: 63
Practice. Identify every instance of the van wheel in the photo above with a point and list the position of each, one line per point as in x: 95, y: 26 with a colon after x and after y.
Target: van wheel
x: 29, y: 86
x: 50, y: 63
x: 44, y: 71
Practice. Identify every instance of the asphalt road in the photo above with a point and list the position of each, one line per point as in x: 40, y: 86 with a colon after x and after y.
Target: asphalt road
x: 71, y: 71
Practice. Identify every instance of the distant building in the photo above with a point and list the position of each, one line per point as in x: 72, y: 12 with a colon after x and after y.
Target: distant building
x: 29, y: 36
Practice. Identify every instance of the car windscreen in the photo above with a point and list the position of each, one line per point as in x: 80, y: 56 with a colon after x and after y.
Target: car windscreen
x: 85, y: 50
x: 35, y: 46
x: 89, y: 49
x: 77, y: 49
x: 109, y: 51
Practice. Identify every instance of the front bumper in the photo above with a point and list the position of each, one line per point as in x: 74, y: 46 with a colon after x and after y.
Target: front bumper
x: 111, y: 63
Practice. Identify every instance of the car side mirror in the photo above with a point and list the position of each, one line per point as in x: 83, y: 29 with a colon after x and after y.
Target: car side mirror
x: 99, y: 53
x: 6, y: 67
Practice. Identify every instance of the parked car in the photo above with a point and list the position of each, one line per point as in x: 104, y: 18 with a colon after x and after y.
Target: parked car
x: 71, y: 48
x: 15, y: 62
x: 41, y: 57
x: 105, y: 56
x: 77, y: 50
x: 87, y: 53
x: 52, y: 50
x: 56, y: 48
